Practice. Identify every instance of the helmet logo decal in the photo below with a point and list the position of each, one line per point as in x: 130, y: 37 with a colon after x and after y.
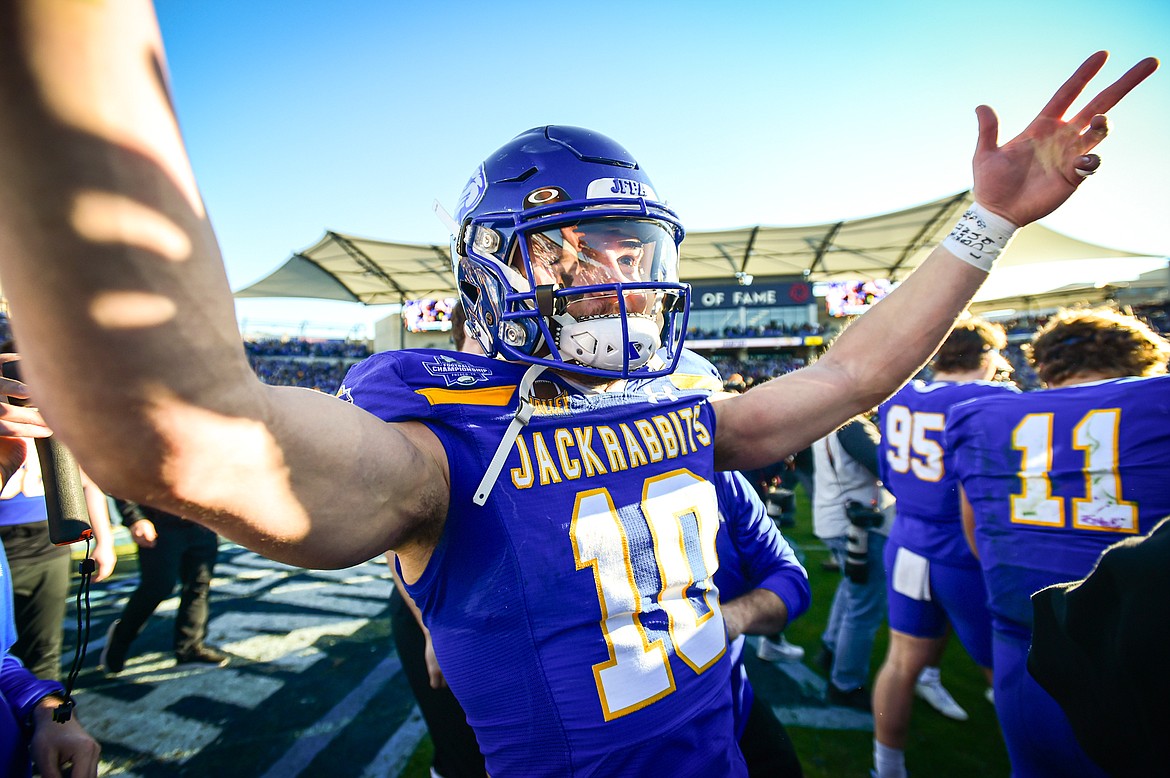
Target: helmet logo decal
x: 452, y: 371
x: 619, y: 187
x: 473, y: 192
x: 622, y: 186
x: 544, y: 196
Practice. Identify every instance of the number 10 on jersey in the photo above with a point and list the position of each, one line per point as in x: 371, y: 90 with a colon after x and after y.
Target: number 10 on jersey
x: 682, y: 513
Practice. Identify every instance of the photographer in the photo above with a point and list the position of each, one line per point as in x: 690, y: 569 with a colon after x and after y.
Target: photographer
x: 852, y: 514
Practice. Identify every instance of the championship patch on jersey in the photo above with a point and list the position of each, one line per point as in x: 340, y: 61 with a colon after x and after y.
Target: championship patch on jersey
x: 452, y: 371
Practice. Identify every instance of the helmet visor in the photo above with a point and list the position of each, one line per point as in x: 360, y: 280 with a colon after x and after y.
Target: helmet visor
x: 605, y: 251
x: 601, y: 253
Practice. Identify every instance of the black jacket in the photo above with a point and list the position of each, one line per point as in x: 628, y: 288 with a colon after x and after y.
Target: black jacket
x: 1101, y: 648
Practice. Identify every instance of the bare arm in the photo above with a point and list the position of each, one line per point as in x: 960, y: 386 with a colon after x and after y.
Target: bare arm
x: 1021, y: 181
x: 875, y: 355
x: 116, y: 283
x: 104, y: 553
x: 52, y: 744
x: 56, y: 744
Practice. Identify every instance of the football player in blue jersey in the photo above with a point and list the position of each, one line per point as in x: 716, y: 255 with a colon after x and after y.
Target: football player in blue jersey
x: 762, y: 587
x: 551, y: 502
x: 933, y: 580
x: 1050, y: 479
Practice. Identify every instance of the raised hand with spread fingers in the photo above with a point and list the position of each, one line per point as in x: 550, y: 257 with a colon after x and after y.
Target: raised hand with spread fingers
x: 1031, y: 175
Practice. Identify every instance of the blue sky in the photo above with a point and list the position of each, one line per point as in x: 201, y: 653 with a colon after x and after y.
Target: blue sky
x: 353, y: 116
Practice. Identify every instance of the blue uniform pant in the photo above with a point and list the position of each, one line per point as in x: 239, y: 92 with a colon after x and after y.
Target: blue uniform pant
x: 1039, y: 739
x: 957, y: 595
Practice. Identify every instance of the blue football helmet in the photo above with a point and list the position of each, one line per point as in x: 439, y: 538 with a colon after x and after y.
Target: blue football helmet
x: 565, y: 257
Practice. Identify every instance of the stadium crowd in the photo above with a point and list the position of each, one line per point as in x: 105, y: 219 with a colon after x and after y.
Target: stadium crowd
x: 309, y: 363
x: 312, y: 363
x: 1021, y: 328
x: 771, y: 330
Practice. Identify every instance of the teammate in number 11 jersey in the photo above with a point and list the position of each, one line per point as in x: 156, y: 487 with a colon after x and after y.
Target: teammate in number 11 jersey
x: 1051, y: 478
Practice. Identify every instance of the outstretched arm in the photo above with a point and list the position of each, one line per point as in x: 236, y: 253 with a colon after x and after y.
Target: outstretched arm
x: 104, y: 553
x: 1022, y: 181
x: 122, y: 307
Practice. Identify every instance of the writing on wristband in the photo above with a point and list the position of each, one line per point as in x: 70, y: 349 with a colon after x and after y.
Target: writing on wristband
x: 979, y: 237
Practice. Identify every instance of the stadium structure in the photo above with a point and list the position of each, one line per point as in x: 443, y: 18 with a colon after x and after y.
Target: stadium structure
x: 765, y: 299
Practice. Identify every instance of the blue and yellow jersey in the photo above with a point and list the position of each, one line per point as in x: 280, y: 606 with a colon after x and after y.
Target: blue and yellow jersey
x: 1056, y: 476
x: 919, y: 470
x: 573, y: 613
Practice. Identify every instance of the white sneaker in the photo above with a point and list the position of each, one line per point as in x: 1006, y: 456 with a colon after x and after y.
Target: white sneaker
x: 112, y: 659
x: 781, y: 651
x: 940, y: 699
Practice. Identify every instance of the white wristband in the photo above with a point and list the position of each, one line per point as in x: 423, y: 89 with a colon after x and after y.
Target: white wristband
x: 979, y: 237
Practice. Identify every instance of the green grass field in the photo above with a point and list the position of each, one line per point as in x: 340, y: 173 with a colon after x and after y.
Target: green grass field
x: 937, y: 747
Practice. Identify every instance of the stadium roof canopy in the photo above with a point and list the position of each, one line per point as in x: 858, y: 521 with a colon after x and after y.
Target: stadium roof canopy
x: 345, y: 267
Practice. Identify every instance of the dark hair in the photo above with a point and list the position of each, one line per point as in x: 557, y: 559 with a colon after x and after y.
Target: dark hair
x: 964, y: 348
x: 1096, y: 340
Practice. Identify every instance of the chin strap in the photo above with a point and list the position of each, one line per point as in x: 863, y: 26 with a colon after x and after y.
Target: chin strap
x: 523, y: 414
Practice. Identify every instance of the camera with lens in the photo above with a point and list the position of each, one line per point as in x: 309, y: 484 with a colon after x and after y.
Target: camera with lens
x: 862, y: 518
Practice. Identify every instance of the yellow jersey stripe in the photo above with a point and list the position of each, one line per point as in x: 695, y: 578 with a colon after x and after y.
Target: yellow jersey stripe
x: 686, y: 381
x: 491, y: 395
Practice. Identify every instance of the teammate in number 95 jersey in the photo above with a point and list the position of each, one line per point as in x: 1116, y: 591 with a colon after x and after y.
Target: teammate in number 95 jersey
x: 1051, y: 479
x: 933, y: 578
